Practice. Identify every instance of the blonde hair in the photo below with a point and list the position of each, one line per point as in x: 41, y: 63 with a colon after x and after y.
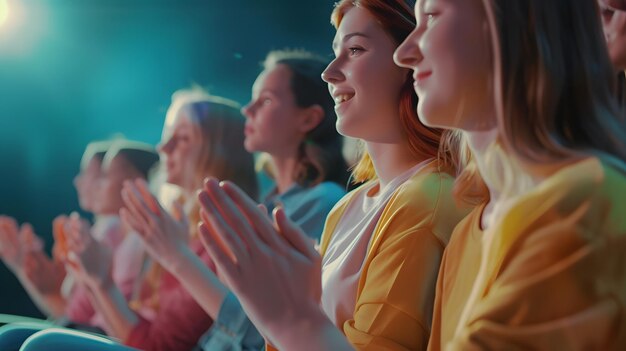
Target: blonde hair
x: 221, y: 125
x: 223, y: 156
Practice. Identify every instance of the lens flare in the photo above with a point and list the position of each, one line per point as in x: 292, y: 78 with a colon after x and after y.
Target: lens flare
x: 4, y: 12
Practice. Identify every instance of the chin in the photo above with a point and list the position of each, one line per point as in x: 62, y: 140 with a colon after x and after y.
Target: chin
x: 346, y: 129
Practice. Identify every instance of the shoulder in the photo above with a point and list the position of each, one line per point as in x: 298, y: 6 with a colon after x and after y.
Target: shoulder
x: 588, y: 194
x: 425, y: 201
x: 325, y: 191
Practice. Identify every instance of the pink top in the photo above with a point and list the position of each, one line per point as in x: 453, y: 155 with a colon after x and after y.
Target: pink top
x: 127, y: 262
x: 179, y: 322
x: 343, y: 261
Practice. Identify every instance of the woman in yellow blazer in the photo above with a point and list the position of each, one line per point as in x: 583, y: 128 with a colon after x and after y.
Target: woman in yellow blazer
x: 541, y: 264
x: 382, y: 244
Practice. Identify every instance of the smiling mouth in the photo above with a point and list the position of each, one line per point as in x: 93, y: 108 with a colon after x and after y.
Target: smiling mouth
x: 422, y: 76
x: 341, y: 98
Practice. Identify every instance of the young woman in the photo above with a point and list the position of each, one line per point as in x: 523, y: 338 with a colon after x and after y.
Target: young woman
x: 291, y: 120
x: 203, y: 135
x: 382, y: 244
x: 99, y: 182
x: 540, y: 264
x: 306, y: 157
x: 22, y: 251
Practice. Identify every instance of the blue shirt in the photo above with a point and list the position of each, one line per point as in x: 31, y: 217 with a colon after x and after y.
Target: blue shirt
x: 307, y: 207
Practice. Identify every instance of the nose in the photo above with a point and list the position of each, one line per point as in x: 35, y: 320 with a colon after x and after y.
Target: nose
x: 78, y: 180
x: 246, y: 110
x: 167, y: 146
x: 332, y: 73
x: 409, y: 54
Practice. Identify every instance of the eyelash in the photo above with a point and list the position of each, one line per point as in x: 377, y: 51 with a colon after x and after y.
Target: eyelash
x: 429, y: 16
x: 355, y: 50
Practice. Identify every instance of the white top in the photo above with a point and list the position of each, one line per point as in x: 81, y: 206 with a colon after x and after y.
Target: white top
x: 343, y: 261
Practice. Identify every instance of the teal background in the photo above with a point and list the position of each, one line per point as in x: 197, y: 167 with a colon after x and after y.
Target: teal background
x: 72, y: 71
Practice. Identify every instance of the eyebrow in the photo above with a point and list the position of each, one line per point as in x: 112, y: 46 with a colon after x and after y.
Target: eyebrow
x: 348, y: 36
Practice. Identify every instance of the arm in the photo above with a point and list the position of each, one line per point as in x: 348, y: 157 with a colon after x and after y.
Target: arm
x: 22, y: 251
x: 42, y: 278
x: 166, y: 240
x: 394, y: 305
x: 92, y: 262
x: 274, y: 271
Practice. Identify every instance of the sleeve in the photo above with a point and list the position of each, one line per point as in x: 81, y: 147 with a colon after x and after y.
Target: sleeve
x: 178, y: 325
x: 232, y: 331
x: 561, y: 287
x: 394, y: 309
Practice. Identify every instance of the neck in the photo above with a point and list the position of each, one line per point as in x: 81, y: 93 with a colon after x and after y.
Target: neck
x: 285, y: 169
x: 503, y: 187
x: 391, y: 160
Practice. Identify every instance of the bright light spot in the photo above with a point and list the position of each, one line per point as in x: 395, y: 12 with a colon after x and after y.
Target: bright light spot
x: 4, y: 12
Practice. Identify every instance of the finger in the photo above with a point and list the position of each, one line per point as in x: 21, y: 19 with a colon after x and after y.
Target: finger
x: 60, y: 244
x: 264, y: 226
x: 263, y: 210
x: 224, y: 262
x: 231, y: 213
x: 179, y: 212
x: 220, y: 230
x: 135, y: 203
x: 149, y: 199
x: 74, y: 263
x: 31, y: 241
x: 129, y: 220
x: 11, y: 231
x: 294, y: 235
x: 78, y: 234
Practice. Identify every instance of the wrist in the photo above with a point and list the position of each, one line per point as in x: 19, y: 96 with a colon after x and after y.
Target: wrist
x: 104, y: 283
x: 307, y: 323
x: 179, y: 260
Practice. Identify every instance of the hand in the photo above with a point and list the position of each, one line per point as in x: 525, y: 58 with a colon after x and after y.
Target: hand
x: 271, y: 267
x: 60, y: 248
x: 165, y: 237
x: 43, y: 273
x: 89, y: 261
x: 15, y: 242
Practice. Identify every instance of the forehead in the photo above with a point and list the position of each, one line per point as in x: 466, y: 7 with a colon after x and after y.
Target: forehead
x: 356, y: 20
x: 276, y: 79
x: 176, y: 122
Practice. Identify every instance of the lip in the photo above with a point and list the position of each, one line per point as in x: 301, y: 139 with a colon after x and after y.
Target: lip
x: 337, y: 95
x: 247, y: 130
x: 420, y: 77
x: 341, y: 106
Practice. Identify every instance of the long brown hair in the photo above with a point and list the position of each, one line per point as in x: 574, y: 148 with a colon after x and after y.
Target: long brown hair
x: 554, y: 79
x: 320, y: 156
x: 223, y: 156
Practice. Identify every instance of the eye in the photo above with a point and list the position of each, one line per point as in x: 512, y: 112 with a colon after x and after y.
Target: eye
x: 429, y: 16
x: 266, y: 101
x: 355, y: 50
